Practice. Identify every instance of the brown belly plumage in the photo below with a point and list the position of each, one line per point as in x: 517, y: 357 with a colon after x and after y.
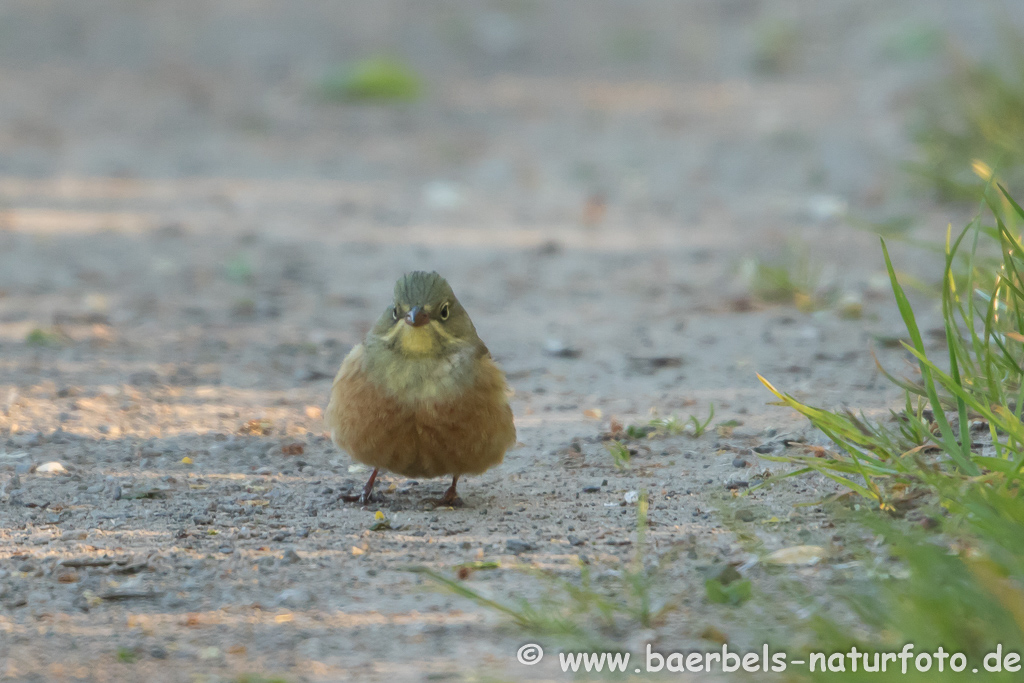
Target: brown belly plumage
x: 464, y: 434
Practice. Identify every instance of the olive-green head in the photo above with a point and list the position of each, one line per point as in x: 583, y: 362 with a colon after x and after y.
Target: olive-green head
x: 425, y: 318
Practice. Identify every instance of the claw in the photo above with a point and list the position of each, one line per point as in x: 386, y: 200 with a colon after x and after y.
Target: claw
x: 364, y: 498
x: 451, y: 496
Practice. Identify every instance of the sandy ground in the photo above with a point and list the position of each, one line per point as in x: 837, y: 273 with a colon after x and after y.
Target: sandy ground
x: 201, y: 239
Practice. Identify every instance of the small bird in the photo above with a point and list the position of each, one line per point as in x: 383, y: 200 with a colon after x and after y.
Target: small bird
x: 421, y: 395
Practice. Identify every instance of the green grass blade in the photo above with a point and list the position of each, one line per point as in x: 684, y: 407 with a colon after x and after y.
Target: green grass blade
x: 906, y: 311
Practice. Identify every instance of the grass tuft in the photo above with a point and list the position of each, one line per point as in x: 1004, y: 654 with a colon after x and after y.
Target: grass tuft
x: 590, y: 612
x: 959, y: 440
x: 619, y: 452
x: 793, y: 278
x: 41, y: 338
x: 671, y: 426
x: 377, y: 79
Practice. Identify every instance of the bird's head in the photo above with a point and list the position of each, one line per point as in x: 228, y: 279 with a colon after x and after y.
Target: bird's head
x: 425, y: 318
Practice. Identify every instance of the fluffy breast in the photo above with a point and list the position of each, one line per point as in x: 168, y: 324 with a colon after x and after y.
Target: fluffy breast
x: 461, y: 427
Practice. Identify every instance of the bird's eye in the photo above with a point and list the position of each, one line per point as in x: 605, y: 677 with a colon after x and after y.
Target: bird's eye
x: 394, y: 313
x: 444, y: 311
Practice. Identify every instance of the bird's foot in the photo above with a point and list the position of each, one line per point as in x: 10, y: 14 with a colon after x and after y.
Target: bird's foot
x: 451, y: 496
x: 367, y: 494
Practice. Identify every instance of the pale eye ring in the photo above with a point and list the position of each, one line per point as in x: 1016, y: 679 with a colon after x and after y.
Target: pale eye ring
x: 444, y: 312
x: 394, y: 313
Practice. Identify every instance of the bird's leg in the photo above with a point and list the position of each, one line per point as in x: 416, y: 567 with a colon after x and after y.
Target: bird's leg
x: 451, y: 497
x: 368, y: 489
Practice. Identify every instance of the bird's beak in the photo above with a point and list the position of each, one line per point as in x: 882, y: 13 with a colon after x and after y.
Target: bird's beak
x: 416, y: 316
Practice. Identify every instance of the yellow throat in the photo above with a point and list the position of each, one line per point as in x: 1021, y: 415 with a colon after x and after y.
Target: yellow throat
x: 418, y: 341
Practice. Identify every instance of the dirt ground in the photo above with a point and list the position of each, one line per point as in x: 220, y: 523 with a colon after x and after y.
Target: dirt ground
x: 191, y: 240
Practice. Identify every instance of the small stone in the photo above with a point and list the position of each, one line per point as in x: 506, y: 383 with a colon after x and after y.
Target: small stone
x: 157, y: 652
x: 202, y: 519
x: 591, y: 489
x: 28, y: 440
x: 74, y: 535
x: 294, y: 597
x: 52, y: 467
x: 67, y: 576
x: 290, y: 557
x: 575, y: 540
x: 516, y: 546
x: 143, y: 378
x: 559, y: 349
x: 173, y: 601
x: 739, y: 462
x: 745, y: 516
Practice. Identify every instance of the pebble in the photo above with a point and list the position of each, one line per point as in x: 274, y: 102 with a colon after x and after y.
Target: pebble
x: 516, y: 546
x: 74, y: 535
x: 739, y: 462
x: 52, y: 467
x: 143, y: 378
x: 28, y: 440
x: 575, y: 540
x: 591, y: 489
x: 173, y: 601
x: 294, y: 597
x: 745, y: 516
x: 202, y: 519
x: 290, y: 557
x: 559, y: 349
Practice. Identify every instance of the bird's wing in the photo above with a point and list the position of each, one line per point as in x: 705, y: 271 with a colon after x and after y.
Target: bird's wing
x: 353, y: 363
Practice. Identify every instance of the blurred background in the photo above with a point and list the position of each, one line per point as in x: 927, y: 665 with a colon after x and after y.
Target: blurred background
x: 517, y: 111
x: 145, y: 139
x: 204, y: 205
